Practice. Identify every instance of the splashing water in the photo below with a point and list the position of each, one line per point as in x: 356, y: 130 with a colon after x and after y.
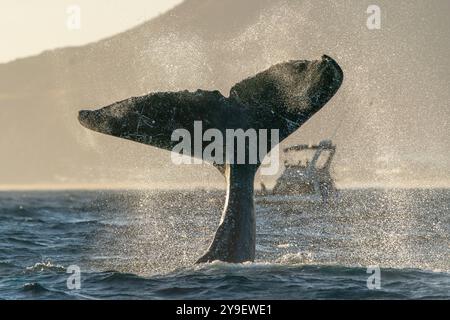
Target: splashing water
x: 143, y: 245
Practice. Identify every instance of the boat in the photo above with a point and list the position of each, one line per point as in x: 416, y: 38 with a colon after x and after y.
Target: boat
x: 306, y: 176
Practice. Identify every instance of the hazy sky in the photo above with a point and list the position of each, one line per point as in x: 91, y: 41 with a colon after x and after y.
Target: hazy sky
x: 28, y: 27
x: 393, y: 106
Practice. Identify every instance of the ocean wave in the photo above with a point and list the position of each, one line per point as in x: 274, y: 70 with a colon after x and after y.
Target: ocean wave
x: 7, y: 264
x: 219, y: 280
x: 74, y: 224
x: 110, y: 276
x: 22, y: 241
x: 37, y: 290
x: 34, y: 287
x: 45, y: 266
x: 7, y: 268
x: 287, y: 260
x: 298, y: 258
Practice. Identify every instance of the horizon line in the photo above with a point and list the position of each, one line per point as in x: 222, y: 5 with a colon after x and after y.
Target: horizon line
x: 200, y: 186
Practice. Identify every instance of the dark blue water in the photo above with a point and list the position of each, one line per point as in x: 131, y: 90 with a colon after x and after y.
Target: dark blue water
x: 142, y: 245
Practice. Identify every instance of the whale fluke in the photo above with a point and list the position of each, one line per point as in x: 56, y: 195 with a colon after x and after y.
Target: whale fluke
x: 283, y: 97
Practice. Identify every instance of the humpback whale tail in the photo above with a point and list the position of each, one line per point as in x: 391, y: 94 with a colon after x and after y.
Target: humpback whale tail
x: 283, y: 97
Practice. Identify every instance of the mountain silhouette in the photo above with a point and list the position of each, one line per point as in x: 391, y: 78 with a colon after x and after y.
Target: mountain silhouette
x: 390, y: 119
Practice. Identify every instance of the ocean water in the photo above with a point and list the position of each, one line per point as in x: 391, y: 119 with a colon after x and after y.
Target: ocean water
x: 142, y: 245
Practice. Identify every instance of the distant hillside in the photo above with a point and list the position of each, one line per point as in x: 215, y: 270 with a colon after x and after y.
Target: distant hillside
x: 394, y: 105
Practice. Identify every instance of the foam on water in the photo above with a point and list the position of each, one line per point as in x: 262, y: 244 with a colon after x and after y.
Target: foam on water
x: 43, y: 266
